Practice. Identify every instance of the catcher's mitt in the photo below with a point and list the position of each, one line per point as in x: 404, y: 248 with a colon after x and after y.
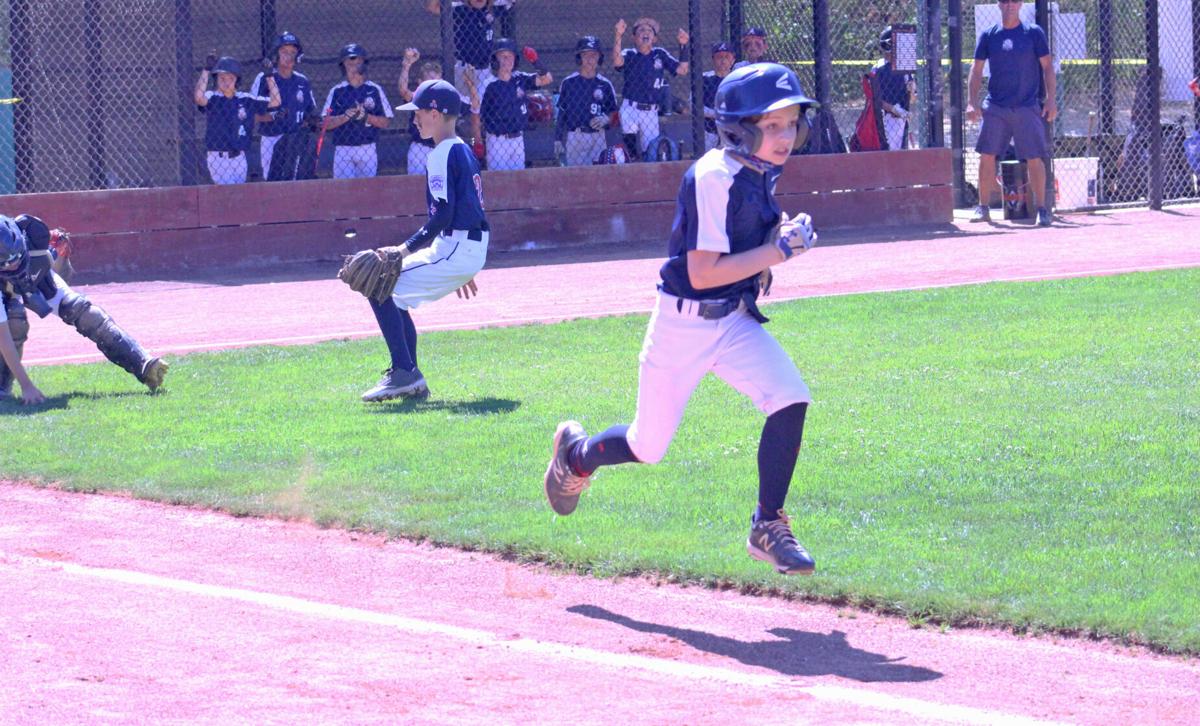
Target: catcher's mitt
x: 373, y: 273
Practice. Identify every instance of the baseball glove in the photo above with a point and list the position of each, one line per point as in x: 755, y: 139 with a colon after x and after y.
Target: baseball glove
x: 373, y: 273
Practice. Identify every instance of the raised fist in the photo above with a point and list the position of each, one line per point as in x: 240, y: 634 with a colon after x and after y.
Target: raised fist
x: 530, y: 54
x: 620, y: 27
x: 268, y: 67
x: 210, y: 61
x: 682, y: 37
x: 411, y: 55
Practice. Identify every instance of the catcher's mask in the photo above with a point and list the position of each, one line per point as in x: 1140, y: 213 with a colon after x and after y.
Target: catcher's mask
x: 509, y: 45
x: 588, y: 42
x: 287, y: 38
x: 14, y: 253
x: 751, y: 91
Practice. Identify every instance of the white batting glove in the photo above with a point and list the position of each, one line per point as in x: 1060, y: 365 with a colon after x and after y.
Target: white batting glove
x: 795, y: 235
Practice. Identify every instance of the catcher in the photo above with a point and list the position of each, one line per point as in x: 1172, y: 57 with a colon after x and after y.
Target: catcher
x: 34, y: 269
x: 442, y: 256
x: 728, y: 233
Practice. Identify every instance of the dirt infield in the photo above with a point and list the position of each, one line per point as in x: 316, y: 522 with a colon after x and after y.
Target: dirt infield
x: 121, y: 611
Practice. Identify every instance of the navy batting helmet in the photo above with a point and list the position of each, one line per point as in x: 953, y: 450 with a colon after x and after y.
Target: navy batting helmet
x: 352, y: 50
x: 227, y: 64
x: 14, y: 253
x: 588, y: 42
x: 287, y: 38
x: 885, y: 39
x: 509, y: 45
x: 752, y: 91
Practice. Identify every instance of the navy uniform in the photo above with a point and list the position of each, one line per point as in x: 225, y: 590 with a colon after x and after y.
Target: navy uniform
x: 354, y: 137
x: 442, y: 256
x: 726, y: 206
x: 287, y: 124
x: 474, y: 33
x: 505, y: 111
x: 893, y: 93
x: 229, y: 124
x: 642, y: 91
x: 711, y: 80
x: 28, y: 281
x: 586, y: 101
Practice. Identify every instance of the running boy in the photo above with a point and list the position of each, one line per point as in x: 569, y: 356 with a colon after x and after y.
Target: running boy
x: 728, y: 231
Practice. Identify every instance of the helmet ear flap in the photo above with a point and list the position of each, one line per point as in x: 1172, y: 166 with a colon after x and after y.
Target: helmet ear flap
x: 803, y: 130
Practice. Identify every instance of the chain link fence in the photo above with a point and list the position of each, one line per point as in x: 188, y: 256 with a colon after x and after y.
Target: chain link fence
x: 105, y: 94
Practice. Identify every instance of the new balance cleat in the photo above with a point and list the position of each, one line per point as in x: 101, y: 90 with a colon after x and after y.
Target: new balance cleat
x: 772, y: 541
x: 562, y: 484
x: 398, y: 384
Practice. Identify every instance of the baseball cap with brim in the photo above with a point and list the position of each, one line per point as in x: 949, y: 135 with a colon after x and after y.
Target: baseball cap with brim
x: 437, y: 95
x: 754, y: 32
x: 722, y: 47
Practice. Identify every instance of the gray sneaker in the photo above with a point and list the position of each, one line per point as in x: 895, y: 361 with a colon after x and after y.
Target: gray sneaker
x: 772, y: 541
x: 563, y: 486
x: 982, y: 214
x: 398, y: 384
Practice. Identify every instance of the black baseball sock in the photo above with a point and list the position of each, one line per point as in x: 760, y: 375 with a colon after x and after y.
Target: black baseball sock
x: 604, y: 449
x: 631, y: 146
x: 777, y: 452
x: 391, y: 324
x: 410, y: 335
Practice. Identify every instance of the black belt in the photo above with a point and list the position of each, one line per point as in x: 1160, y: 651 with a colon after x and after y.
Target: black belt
x: 515, y: 135
x: 585, y: 130
x: 644, y: 106
x: 475, y: 235
x: 711, y: 309
x: 229, y: 154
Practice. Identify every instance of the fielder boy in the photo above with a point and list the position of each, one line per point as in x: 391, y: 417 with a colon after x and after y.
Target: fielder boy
x: 728, y: 232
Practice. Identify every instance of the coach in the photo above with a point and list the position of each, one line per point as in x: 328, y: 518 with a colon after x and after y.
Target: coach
x: 1021, y: 69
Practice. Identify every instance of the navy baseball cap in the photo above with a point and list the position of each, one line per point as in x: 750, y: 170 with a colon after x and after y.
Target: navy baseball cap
x: 437, y: 95
x: 754, y: 31
x: 722, y: 47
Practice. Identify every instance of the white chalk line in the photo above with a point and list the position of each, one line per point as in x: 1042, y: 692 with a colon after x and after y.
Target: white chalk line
x: 618, y: 661
x: 595, y: 313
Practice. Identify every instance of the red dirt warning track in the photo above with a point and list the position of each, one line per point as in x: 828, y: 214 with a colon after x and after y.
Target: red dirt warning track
x: 120, y: 611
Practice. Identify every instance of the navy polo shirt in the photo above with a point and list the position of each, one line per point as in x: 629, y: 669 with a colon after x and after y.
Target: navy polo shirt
x: 1013, y: 58
x: 581, y: 99
x: 296, y: 101
x: 503, y: 107
x: 473, y: 35
x: 230, y: 120
x: 344, y: 96
x: 893, y: 86
x: 644, y: 74
x: 723, y: 207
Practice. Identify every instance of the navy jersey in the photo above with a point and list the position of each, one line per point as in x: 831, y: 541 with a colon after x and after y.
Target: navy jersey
x: 724, y: 207
x: 644, y: 74
x: 454, y: 191
x: 582, y: 99
x: 711, y: 81
x: 344, y: 96
x: 296, y: 101
x: 503, y: 107
x: 1013, y: 58
x: 230, y: 120
x: 473, y: 35
x: 893, y: 86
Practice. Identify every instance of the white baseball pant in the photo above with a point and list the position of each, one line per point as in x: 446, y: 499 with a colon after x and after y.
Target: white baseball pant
x: 681, y: 347
x: 893, y: 128
x: 224, y: 170
x: 505, y: 154
x: 583, y: 148
x: 355, y: 162
x: 439, y: 269
x: 637, y: 121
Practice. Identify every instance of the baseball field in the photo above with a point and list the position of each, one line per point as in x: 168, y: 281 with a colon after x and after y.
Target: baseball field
x: 998, y: 483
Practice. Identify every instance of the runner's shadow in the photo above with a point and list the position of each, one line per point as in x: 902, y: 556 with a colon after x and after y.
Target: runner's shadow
x: 482, y: 407
x: 794, y: 653
x: 13, y: 406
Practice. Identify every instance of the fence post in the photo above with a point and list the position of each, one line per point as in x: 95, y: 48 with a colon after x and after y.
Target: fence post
x: 95, y: 119
x: 1047, y: 195
x: 1104, y: 19
x: 446, y: 24
x: 184, y: 85
x: 822, y: 52
x: 1196, y: 59
x: 736, y: 20
x: 935, y: 136
x: 696, y: 76
x: 1156, y: 136
x: 21, y: 40
x: 266, y: 26
x: 957, y: 138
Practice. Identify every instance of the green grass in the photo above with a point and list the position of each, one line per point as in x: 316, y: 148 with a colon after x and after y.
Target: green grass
x: 1022, y: 454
